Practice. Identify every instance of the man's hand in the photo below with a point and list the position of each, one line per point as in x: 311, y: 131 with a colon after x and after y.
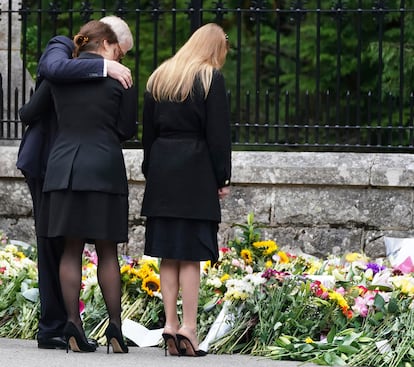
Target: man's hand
x: 119, y: 72
x: 223, y: 192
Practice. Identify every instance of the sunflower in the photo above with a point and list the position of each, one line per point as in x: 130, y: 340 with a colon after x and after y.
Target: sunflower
x: 145, y: 271
x: 151, y: 284
x: 247, y: 256
x: 268, y: 247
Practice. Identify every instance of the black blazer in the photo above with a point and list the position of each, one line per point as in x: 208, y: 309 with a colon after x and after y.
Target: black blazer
x: 93, y: 118
x: 187, y: 154
x: 56, y: 63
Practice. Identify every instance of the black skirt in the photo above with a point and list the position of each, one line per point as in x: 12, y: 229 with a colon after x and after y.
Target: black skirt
x: 181, y: 239
x: 89, y: 215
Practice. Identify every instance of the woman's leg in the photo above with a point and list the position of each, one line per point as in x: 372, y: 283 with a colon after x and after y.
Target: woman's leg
x: 70, y: 273
x: 109, y: 279
x: 169, y: 288
x: 190, y: 284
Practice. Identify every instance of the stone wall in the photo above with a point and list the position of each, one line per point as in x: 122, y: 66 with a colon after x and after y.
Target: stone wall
x: 318, y: 203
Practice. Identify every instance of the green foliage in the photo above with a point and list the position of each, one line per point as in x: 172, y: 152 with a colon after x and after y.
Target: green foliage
x: 304, y: 54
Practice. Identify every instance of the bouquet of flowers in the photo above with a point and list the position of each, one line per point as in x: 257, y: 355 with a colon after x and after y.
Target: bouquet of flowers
x: 337, y: 311
x: 257, y: 299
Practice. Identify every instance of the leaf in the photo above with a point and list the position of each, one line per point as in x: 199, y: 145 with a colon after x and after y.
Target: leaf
x: 331, y: 335
x: 379, y: 302
x: 349, y: 339
x: 210, y: 304
x: 277, y: 326
x: 348, y: 349
x: 32, y: 294
x: 382, y: 288
x: 333, y: 360
x: 393, y: 306
x: 304, y: 347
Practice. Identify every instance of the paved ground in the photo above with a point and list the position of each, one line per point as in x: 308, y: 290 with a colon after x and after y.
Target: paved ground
x: 21, y: 353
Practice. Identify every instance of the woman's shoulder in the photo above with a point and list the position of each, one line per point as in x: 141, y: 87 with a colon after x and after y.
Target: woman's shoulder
x: 217, y: 73
x: 218, y: 78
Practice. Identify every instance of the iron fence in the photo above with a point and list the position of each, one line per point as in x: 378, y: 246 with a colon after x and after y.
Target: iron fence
x: 301, y: 75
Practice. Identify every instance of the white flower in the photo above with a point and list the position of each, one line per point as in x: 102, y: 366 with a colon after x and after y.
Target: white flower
x: 214, y: 282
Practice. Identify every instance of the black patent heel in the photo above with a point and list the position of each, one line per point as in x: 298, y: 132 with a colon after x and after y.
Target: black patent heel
x: 114, y: 337
x: 76, y: 340
x: 170, y: 344
x: 188, y: 348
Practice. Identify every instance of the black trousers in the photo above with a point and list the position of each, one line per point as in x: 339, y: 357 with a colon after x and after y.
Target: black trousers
x: 49, y: 250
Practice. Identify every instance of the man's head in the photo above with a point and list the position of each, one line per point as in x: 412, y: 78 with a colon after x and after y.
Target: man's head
x: 122, y: 31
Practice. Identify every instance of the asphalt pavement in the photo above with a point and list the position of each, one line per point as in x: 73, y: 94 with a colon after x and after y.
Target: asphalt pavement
x: 22, y: 353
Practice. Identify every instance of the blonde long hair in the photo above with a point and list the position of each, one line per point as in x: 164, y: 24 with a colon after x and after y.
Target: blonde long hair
x: 204, y: 51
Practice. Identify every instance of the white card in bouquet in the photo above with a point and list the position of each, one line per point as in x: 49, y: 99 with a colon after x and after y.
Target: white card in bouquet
x: 140, y: 335
x: 399, y: 251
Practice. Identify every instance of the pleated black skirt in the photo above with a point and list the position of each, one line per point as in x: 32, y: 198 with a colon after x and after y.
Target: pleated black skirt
x: 181, y: 239
x: 84, y: 214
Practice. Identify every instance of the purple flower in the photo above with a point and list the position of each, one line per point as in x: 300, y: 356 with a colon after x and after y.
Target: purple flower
x: 375, y: 267
x: 272, y: 273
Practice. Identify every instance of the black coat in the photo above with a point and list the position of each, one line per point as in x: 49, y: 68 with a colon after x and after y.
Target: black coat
x: 93, y: 117
x: 187, y: 154
x: 57, y: 64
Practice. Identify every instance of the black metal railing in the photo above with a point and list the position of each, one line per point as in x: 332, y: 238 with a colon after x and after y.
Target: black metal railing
x: 301, y: 75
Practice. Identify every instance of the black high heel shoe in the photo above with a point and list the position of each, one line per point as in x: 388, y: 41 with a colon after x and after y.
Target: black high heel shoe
x: 188, y: 348
x: 76, y: 339
x: 114, y: 337
x: 170, y: 343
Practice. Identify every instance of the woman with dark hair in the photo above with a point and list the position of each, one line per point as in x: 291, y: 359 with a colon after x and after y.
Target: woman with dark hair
x: 85, y: 187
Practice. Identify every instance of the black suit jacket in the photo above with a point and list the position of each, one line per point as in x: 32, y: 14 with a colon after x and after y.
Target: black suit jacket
x: 55, y: 64
x: 187, y: 154
x: 93, y: 118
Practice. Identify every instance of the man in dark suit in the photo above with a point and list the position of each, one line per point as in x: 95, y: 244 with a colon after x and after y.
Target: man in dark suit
x: 56, y: 64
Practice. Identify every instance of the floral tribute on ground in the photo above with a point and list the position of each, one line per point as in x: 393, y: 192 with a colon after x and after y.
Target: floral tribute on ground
x: 344, y: 310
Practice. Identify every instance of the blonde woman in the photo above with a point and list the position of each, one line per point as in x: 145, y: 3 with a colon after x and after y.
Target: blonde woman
x: 187, y: 166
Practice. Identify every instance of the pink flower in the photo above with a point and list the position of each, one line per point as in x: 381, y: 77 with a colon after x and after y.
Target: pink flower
x: 81, y: 306
x: 341, y: 291
x: 91, y: 256
x: 362, y: 289
x: 360, y: 307
x: 364, y: 303
x: 236, y: 263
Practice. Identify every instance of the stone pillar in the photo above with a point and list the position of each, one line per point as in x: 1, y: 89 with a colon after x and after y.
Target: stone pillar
x: 11, y: 66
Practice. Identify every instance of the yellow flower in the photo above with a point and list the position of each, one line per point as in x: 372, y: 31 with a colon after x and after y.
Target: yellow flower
x: 354, y: 256
x: 125, y: 269
x: 315, y: 266
x: 20, y: 254
x: 207, y: 266
x: 224, y: 278
x: 406, y: 285
x: 144, y: 271
x: 269, y: 247
x: 268, y: 264
x: 247, y: 256
x: 152, y: 263
x: 151, y: 284
x: 283, y: 257
x: 134, y: 272
x: 308, y: 340
x: 235, y: 294
x: 339, y: 299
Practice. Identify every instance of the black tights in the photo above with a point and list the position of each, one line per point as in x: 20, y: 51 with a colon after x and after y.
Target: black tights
x: 109, y: 279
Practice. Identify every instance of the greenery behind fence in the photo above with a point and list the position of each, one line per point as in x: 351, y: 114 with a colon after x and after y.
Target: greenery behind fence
x: 299, y: 73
